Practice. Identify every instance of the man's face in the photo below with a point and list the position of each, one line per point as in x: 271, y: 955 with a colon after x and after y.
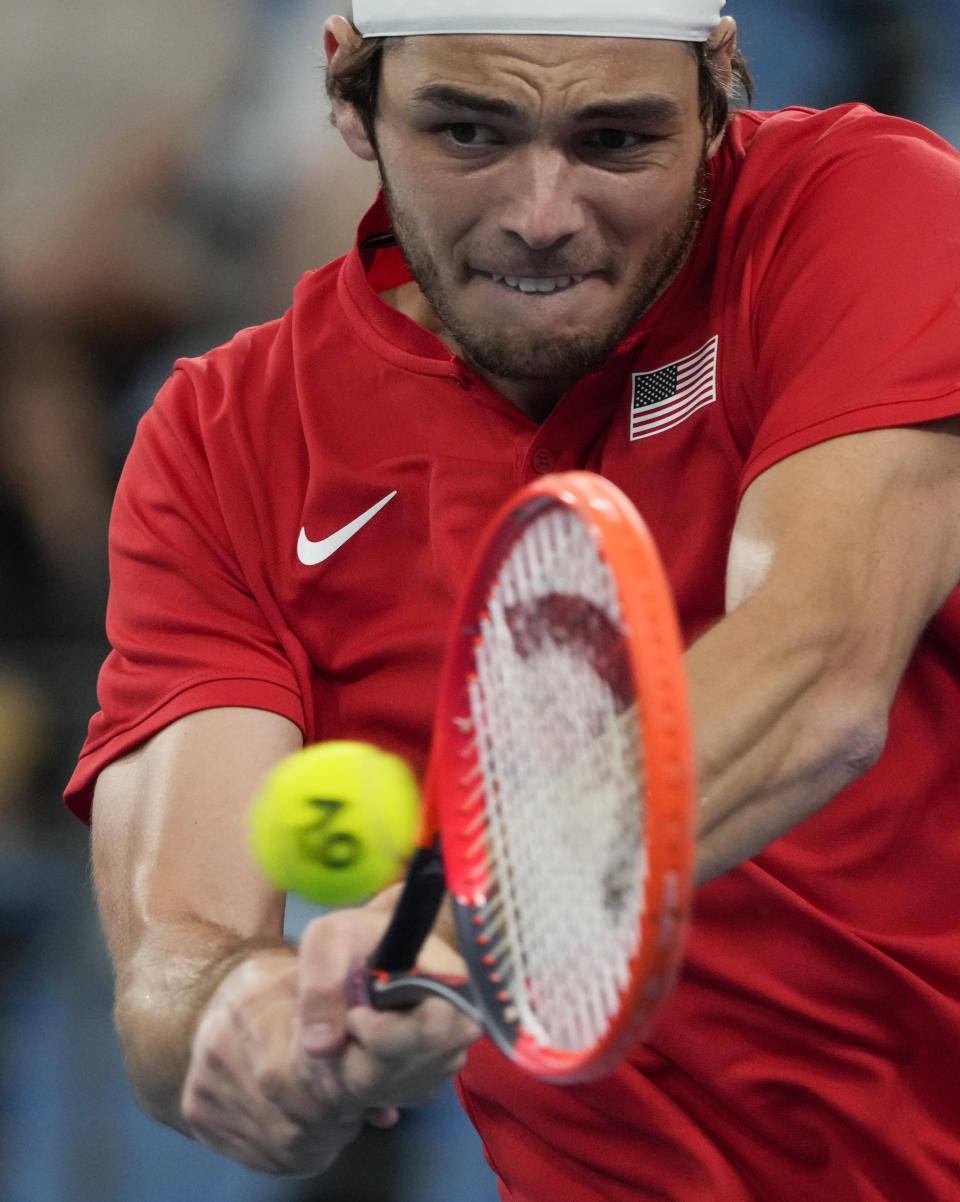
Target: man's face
x: 545, y: 190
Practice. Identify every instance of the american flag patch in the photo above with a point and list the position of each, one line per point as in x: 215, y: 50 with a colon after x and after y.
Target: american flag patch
x: 666, y: 397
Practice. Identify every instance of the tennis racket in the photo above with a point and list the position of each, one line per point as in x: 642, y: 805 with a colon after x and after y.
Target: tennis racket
x: 558, y: 807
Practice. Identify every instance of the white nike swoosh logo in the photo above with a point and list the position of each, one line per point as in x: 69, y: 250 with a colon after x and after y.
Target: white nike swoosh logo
x: 310, y: 553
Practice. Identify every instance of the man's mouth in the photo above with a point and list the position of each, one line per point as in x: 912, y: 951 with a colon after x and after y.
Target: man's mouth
x: 554, y: 283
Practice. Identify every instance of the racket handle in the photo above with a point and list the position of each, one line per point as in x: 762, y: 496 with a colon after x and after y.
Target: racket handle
x: 415, y: 913
x: 390, y: 980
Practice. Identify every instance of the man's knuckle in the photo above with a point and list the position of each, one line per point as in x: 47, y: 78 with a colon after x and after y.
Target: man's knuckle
x: 271, y: 1082
x: 215, y: 1060
x: 437, y: 1026
x: 196, y: 1107
x: 289, y: 1144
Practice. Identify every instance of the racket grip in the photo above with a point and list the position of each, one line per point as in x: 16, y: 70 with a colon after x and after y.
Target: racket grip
x: 415, y: 913
x: 390, y: 980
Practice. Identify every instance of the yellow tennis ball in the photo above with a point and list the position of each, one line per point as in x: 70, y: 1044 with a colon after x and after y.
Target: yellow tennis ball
x: 335, y: 822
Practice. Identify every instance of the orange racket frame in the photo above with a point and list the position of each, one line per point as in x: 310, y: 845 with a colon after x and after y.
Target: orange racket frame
x: 452, y: 801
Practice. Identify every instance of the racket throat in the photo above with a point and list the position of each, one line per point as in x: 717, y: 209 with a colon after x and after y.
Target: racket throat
x: 390, y: 979
x: 490, y: 994
x: 404, y: 990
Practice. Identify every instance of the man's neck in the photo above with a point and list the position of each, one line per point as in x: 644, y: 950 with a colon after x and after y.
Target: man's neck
x: 535, y: 398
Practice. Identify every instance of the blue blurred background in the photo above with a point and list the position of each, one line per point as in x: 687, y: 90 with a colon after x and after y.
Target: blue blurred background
x: 166, y: 172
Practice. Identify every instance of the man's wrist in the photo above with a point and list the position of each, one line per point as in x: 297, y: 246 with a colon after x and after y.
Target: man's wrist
x: 231, y: 958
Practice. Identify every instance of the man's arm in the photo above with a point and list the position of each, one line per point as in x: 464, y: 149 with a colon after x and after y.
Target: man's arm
x: 229, y: 1033
x: 840, y: 556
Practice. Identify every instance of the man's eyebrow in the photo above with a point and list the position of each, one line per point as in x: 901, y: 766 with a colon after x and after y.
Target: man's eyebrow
x: 441, y: 96
x: 656, y: 109
x: 653, y: 109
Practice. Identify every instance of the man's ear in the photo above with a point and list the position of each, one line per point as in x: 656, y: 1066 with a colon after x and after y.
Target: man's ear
x: 723, y: 45
x: 340, y: 40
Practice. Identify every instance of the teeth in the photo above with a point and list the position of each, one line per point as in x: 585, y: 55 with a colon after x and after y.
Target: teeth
x: 532, y: 284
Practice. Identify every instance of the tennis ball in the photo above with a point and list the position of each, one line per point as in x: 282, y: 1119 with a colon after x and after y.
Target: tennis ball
x: 335, y: 822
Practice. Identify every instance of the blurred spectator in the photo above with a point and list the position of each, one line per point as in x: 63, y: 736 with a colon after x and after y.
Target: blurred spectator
x: 898, y: 57
x: 166, y: 173
x: 23, y: 721
x: 883, y: 41
x: 97, y: 122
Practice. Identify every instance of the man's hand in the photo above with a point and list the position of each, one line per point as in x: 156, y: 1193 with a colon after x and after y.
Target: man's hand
x: 283, y: 1075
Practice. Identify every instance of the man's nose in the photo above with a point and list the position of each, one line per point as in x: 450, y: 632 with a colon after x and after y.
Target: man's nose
x: 544, y: 208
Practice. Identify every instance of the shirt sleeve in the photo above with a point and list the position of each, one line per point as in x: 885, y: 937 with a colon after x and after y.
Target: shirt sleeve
x: 185, y: 628
x: 855, y: 288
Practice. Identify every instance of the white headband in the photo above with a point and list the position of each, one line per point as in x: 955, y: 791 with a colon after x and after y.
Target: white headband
x: 676, y: 21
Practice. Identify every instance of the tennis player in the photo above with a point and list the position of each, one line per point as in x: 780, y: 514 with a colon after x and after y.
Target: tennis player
x: 749, y: 322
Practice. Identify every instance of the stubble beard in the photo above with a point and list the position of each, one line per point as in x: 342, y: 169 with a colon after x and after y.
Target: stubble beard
x: 512, y: 353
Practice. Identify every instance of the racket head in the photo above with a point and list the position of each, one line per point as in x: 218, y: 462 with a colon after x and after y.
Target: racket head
x: 563, y: 781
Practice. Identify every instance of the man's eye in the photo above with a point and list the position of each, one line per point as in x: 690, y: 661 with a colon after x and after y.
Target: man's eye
x: 615, y: 139
x: 469, y: 133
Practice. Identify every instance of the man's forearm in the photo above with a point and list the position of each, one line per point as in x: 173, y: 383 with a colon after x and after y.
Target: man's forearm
x: 783, y: 719
x: 162, y: 992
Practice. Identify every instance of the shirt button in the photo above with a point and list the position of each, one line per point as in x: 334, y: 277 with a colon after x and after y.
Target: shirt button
x: 543, y: 461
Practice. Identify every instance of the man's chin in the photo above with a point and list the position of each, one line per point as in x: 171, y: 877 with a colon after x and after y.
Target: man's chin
x: 537, y: 357
x: 526, y: 338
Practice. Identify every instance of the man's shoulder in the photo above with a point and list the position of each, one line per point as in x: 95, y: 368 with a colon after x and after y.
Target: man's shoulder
x: 314, y: 303
x: 256, y: 359
x: 773, y: 165
x: 778, y: 137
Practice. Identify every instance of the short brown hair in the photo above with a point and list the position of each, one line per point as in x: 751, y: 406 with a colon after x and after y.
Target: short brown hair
x: 358, y: 83
x: 715, y: 101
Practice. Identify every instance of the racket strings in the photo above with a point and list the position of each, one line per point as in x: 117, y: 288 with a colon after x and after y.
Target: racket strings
x: 559, y: 752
